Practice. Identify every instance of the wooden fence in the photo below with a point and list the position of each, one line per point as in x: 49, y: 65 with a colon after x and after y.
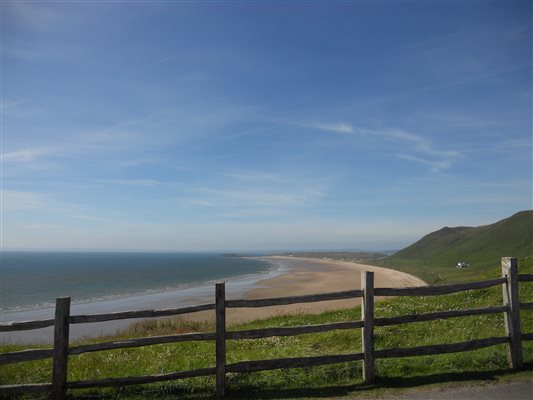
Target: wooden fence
x: 61, y: 351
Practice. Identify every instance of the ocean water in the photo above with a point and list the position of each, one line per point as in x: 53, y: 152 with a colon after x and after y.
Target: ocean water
x: 31, y: 280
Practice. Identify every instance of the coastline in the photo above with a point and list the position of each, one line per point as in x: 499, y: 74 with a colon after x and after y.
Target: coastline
x: 156, y: 300
x: 292, y: 276
x: 313, y: 276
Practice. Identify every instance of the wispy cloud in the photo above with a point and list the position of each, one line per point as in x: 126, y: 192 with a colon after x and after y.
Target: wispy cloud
x: 14, y: 200
x: 453, y: 119
x: 258, y: 197
x: 420, y: 143
x: 164, y: 60
x: 248, y: 132
x: 42, y: 17
x: 426, y: 152
x: 47, y: 205
x: 247, y: 176
x: 85, y: 217
x: 251, y: 213
x: 152, y: 161
x: 23, y: 109
x: 435, y: 166
x: 201, y: 202
x: 25, y: 155
x: 254, y: 194
x: 339, y: 127
x: 43, y: 226
x: 437, y: 40
x: 111, y: 138
x: 138, y: 162
x: 130, y: 182
x: 438, y: 159
x: 6, y: 105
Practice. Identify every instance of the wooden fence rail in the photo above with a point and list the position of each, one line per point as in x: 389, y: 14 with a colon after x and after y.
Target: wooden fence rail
x: 61, y: 350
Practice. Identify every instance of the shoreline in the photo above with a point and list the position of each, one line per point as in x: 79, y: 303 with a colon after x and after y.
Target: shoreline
x: 292, y: 276
x: 242, y: 279
x: 314, y: 276
x: 157, y: 300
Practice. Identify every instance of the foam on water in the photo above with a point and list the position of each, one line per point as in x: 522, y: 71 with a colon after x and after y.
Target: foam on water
x: 33, y: 280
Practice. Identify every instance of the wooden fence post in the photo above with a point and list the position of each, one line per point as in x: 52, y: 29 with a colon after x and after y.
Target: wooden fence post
x: 367, y: 315
x: 220, y: 300
x: 61, y: 339
x: 512, y: 316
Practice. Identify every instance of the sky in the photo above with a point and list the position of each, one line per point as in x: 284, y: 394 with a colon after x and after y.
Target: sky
x: 232, y: 125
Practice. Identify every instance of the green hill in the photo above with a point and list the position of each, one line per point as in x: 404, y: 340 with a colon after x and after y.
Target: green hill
x: 326, y: 381
x: 435, y: 256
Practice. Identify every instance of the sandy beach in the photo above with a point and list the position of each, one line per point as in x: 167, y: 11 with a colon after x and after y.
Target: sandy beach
x: 292, y: 276
x: 312, y: 276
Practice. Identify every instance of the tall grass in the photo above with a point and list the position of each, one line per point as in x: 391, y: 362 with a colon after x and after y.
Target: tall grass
x: 331, y: 379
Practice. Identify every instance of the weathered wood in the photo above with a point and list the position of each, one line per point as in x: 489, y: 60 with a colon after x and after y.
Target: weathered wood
x: 292, y: 330
x: 441, y: 348
x: 406, y: 319
x: 367, y: 334
x: 61, y: 339
x: 25, y: 355
x: 81, y: 319
x: 280, y: 301
x: 525, y: 277
x: 512, y: 316
x: 61, y: 351
x: 26, y: 388
x: 299, y: 362
x: 26, y: 325
x: 137, y: 380
x: 138, y: 342
x: 437, y: 290
x: 220, y: 298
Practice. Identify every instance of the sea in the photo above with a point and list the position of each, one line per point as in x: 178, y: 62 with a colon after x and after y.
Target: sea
x: 33, y: 280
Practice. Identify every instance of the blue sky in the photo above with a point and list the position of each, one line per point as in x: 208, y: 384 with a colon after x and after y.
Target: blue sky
x: 261, y: 125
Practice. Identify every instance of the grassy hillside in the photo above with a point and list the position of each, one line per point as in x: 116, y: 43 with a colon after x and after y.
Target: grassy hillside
x: 435, y: 256
x: 321, y: 382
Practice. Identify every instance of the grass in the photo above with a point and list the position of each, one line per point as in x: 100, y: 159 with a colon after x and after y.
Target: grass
x: 323, y: 381
x: 433, y: 257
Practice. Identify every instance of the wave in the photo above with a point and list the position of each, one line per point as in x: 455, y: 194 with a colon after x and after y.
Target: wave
x: 234, y: 280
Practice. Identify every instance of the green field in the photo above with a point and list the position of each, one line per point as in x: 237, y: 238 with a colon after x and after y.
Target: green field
x: 331, y: 380
x: 434, y: 257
